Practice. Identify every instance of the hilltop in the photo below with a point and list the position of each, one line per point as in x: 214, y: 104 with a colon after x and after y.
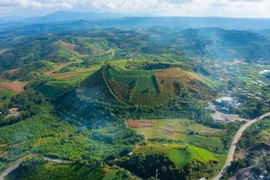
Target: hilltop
x: 144, y: 83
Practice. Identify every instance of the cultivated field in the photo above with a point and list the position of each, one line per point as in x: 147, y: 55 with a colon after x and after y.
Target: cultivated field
x: 15, y: 86
x: 173, y: 129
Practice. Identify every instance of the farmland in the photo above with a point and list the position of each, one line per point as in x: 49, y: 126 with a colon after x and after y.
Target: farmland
x: 15, y: 86
x: 172, y: 129
x: 192, y: 138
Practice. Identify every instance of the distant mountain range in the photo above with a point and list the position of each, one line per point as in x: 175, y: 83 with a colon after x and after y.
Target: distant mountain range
x: 62, y: 16
x: 66, y: 21
x: 73, y: 16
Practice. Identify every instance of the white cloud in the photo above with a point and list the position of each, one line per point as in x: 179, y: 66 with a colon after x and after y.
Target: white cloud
x: 243, y: 8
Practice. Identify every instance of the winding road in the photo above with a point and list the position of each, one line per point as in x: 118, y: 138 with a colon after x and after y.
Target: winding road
x: 17, y: 164
x: 234, y: 144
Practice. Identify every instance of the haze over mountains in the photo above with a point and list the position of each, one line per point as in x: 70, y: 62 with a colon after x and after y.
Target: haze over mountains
x: 67, y: 20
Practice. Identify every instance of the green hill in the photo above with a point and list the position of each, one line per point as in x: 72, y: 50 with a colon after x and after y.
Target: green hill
x: 142, y: 83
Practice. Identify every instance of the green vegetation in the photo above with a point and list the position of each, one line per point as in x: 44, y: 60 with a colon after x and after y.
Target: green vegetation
x: 185, y: 156
x: 37, y: 168
x: 173, y: 161
x: 5, y: 96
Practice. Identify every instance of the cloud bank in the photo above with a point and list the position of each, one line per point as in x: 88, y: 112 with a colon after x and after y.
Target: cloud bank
x: 231, y: 8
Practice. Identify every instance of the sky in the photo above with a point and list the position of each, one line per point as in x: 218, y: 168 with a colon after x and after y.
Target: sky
x: 223, y: 8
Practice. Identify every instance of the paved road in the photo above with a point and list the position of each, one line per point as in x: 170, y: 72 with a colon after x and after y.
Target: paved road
x: 234, y: 143
x: 13, y: 167
x: 17, y: 164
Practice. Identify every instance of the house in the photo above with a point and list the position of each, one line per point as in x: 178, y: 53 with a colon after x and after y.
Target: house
x: 13, y: 110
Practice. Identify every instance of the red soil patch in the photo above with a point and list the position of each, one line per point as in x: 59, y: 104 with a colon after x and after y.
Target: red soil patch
x: 168, y: 77
x: 67, y: 45
x: 176, y: 73
x: 140, y: 123
x: 10, y: 73
x: 168, y: 73
x: 169, y: 131
x: 15, y: 86
x: 58, y: 68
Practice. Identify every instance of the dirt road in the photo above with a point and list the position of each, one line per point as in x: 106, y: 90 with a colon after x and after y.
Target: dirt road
x: 234, y: 144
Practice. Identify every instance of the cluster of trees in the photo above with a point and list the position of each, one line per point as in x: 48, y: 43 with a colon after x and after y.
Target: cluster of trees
x: 29, y: 103
x: 146, y: 165
x: 250, y: 109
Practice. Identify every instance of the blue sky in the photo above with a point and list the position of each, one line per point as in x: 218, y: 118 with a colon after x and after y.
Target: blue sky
x: 225, y: 8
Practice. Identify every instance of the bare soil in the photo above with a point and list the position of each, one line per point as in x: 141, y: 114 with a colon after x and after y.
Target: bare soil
x: 140, y: 123
x: 15, y: 86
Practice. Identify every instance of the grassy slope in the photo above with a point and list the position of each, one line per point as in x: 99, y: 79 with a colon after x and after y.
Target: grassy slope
x: 182, y: 157
x: 5, y: 95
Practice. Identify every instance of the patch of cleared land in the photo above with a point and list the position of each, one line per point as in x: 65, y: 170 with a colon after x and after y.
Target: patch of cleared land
x: 15, y: 86
x: 9, y: 74
x: 174, y: 129
x: 70, y: 47
x: 76, y: 72
x: 57, y: 68
x: 223, y: 117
